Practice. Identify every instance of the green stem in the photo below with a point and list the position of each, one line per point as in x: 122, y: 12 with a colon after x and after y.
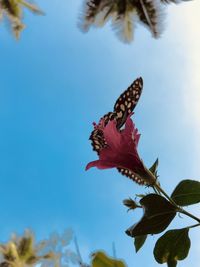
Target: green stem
x: 157, y: 186
x: 155, y: 190
x: 193, y: 226
x: 189, y: 214
x: 179, y: 209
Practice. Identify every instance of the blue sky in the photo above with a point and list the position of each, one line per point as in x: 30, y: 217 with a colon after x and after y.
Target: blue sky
x: 54, y: 82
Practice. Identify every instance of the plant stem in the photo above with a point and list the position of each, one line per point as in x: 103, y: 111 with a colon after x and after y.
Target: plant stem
x: 155, y: 190
x: 179, y: 209
x: 189, y: 214
x: 193, y: 226
x: 159, y: 188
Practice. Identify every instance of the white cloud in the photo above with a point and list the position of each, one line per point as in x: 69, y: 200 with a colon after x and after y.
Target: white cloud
x: 189, y: 32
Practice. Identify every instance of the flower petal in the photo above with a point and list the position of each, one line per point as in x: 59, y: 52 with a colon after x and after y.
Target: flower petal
x: 111, y: 135
x: 100, y: 164
x: 120, y: 151
x: 131, y: 132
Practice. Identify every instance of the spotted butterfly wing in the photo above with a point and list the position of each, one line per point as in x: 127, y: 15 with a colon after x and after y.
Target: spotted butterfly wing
x: 97, y: 138
x: 127, y: 101
x: 124, y: 105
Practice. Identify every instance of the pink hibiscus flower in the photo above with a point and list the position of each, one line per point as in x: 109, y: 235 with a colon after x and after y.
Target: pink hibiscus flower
x: 120, y: 151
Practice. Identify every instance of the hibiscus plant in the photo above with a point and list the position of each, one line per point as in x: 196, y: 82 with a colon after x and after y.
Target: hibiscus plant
x: 115, y: 139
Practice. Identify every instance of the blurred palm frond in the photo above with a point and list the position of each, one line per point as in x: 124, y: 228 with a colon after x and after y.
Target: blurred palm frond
x: 124, y: 15
x: 24, y: 251
x: 13, y: 10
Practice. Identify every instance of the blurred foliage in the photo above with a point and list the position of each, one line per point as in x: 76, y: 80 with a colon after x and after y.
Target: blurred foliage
x: 13, y: 10
x: 56, y: 251
x: 100, y: 259
x: 124, y: 15
x: 24, y: 251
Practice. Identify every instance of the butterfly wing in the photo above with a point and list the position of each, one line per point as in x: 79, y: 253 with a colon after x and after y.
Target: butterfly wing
x: 127, y: 101
x: 124, y: 105
x: 97, y: 138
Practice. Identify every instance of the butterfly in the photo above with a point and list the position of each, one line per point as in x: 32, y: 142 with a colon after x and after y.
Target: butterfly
x: 123, y: 107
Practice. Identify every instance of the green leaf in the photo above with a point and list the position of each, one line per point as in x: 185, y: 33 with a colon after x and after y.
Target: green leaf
x: 139, y: 242
x: 158, y: 213
x: 187, y: 193
x: 100, y: 259
x: 174, y: 245
x: 154, y: 167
